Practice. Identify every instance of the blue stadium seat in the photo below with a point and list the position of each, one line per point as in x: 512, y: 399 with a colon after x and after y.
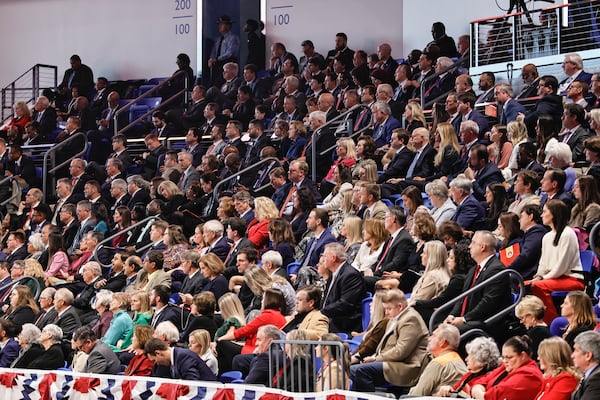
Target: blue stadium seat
x: 587, y: 264
x: 230, y: 376
x: 293, y: 268
x: 156, y: 81
x: 366, y: 312
x: 557, y: 326
x: 145, y: 88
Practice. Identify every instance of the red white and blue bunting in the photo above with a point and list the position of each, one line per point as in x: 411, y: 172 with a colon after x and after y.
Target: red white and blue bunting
x: 20, y: 384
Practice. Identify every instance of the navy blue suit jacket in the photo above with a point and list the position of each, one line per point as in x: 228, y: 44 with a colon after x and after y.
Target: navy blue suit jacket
x: 344, y: 295
x: 398, y: 166
x: 488, y: 174
x: 189, y: 366
x: 396, y: 258
x: 510, y: 111
x: 172, y: 314
x: 469, y: 214
x: 385, y: 136
x: 9, y: 353
x: 326, y: 237
x: 526, y: 262
x: 221, y: 248
x: 476, y: 116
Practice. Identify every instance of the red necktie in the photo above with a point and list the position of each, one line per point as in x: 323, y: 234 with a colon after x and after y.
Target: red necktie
x: 463, y: 310
x: 385, y: 251
x: 287, y: 200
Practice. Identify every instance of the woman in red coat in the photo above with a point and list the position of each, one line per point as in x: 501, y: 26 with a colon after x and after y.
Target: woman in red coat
x: 258, y: 233
x: 560, y: 376
x: 517, y: 378
x: 140, y: 364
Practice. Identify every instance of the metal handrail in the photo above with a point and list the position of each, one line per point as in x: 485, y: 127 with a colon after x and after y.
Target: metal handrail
x: 313, y: 156
x: 148, y: 94
x: 435, y: 76
x: 52, y: 150
x: 232, y: 176
x: 13, y: 196
x: 351, y: 136
x: 478, y: 287
x: 119, y: 233
x: 38, y: 288
x: 35, y: 86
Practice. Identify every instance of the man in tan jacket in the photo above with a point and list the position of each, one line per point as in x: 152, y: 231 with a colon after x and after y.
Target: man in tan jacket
x: 400, y: 354
x: 308, y: 316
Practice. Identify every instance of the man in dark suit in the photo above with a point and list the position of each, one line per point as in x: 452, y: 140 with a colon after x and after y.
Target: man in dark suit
x: 510, y: 107
x: 317, y: 222
x: 45, y: 116
x: 47, y: 313
x: 136, y: 187
x: 549, y: 104
x: 106, y: 128
x: 385, y: 124
x: 243, y: 109
x: 402, y: 159
x: 466, y: 104
x: 420, y: 169
x: 189, y: 174
x: 553, y: 187
x: 343, y: 292
x: 487, y: 81
x: 530, y: 250
x: 527, y: 159
x: 393, y: 260
x: 193, y: 117
x: 324, y: 139
x: 482, y: 171
x: 194, y: 280
x: 260, y: 141
x: 78, y: 177
x: 586, y: 359
x: 17, y: 250
x: 477, y: 307
x: 342, y: 51
x: 444, y: 83
x: 150, y: 157
x: 257, y: 372
x: 213, y: 236
x: 281, y: 186
x: 70, y: 148
x: 21, y: 167
x: 79, y: 75
x: 164, y: 311
x: 469, y: 214
x: 66, y: 318
x: 573, y: 133
x: 99, y: 100
x: 236, y: 230
x: 101, y: 359
x: 530, y: 76
x: 573, y: 68
x: 182, y: 363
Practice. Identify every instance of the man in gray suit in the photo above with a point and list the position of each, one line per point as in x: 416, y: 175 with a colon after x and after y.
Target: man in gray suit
x: 189, y: 174
x: 101, y: 359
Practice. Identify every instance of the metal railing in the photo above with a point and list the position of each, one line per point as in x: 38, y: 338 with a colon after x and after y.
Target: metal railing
x: 455, y: 65
x: 19, y: 281
x: 233, y: 176
x: 119, y: 233
x: 334, y: 122
x: 480, y: 286
x: 305, y: 376
x: 150, y: 93
x: 28, y: 86
x: 55, y: 168
x: 528, y: 34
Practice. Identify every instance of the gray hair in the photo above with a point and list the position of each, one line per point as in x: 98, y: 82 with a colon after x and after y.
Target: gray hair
x: 382, y: 106
x: 484, y: 351
x: 450, y: 334
x: 168, y: 330
x: 231, y: 67
x: 589, y: 342
x: 437, y: 188
x: 470, y: 126
x: 119, y: 184
x: 270, y: 332
x: 338, y: 250
x: 138, y: 181
x: 214, y: 226
x: 487, y: 238
x: 386, y: 88
x: 56, y: 333
x: 187, y: 155
x: 318, y: 116
x: 561, y: 151
x: 44, y: 100
x: 36, y: 241
x: 103, y: 298
x: 444, y: 62
x: 94, y: 267
x: 575, y: 59
x: 273, y: 257
x: 191, y: 256
x: 48, y: 292
x: 506, y: 88
x: 65, y: 295
x: 30, y: 333
x: 463, y: 184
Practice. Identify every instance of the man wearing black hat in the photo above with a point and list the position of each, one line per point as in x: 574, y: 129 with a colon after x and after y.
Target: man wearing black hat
x: 256, y: 44
x: 226, y: 49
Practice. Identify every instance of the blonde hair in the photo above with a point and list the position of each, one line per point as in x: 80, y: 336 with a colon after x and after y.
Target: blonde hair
x: 349, y: 145
x: 436, y: 255
x: 144, y: 299
x: 170, y: 187
x: 417, y: 112
x: 265, y: 208
x: 22, y: 106
x: 370, y: 172
x: 298, y: 350
x: 377, y: 312
x: 231, y: 307
x: 448, y: 137
x: 517, y: 131
x: 123, y: 298
x: 213, y: 263
x: 530, y: 305
x: 257, y: 280
x: 34, y: 268
x: 353, y: 226
x: 556, y: 353
x: 376, y: 228
x: 203, y: 338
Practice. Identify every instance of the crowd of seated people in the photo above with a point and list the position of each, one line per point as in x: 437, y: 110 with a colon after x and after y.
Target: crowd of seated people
x: 404, y: 208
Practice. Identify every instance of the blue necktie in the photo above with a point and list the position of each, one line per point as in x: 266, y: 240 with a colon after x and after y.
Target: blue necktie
x: 311, y: 247
x: 411, y: 168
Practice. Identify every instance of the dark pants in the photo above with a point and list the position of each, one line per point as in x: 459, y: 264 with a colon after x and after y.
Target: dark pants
x: 365, y: 377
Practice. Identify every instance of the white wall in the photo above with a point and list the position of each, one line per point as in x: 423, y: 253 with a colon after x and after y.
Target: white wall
x: 119, y: 39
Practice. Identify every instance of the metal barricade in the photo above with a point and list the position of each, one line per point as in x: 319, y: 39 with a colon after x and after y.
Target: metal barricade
x: 303, y: 367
